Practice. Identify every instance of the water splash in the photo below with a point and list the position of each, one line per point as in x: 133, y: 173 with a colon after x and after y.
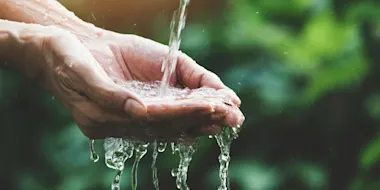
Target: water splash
x: 117, y: 151
x: 140, y: 150
x: 176, y: 26
x: 94, y: 156
x: 154, y: 168
x: 224, y: 140
x: 162, y: 146
x: 185, y: 153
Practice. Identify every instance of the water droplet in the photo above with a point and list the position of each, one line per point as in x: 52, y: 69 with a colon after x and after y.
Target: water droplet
x: 93, y: 16
x: 257, y: 12
x: 116, y: 181
x: 134, y: 24
x: 46, y: 15
x: 285, y: 53
x: 94, y: 157
x: 210, y: 137
x: 162, y: 146
x: 53, y: 97
x: 63, y: 19
x: 174, y: 172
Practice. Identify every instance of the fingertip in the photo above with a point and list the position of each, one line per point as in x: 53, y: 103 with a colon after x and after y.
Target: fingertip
x: 231, y: 95
x: 135, y: 108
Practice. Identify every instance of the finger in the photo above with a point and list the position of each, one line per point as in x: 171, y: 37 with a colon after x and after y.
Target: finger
x: 109, y: 95
x: 173, y: 109
x: 193, y: 75
x: 230, y: 95
x: 206, y: 130
x: 116, y: 131
x: 234, y: 117
x: 114, y: 97
x: 93, y: 80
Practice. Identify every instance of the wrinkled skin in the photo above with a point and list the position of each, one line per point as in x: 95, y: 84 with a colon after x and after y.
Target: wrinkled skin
x: 81, y: 71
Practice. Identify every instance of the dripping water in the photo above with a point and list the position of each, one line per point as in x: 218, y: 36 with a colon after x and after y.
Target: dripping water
x: 116, y: 181
x: 224, y: 140
x: 185, y: 153
x: 94, y: 156
x: 162, y: 146
x: 117, y: 151
x: 140, y: 150
x: 154, y: 168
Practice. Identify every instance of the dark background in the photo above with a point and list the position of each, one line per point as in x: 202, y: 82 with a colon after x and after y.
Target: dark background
x: 307, y: 72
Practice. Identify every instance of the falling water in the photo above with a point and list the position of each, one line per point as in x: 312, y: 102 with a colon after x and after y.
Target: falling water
x: 116, y: 181
x: 140, y: 150
x: 117, y: 151
x: 94, y: 157
x: 224, y: 140
x: 176, y: 26
x: 185, y: 154
x: 154, y: 168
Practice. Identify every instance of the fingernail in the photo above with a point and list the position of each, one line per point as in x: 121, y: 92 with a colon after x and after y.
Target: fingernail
x: 135, y: 108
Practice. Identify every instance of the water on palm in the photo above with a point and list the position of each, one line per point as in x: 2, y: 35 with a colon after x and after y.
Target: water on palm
x: 118, y: 150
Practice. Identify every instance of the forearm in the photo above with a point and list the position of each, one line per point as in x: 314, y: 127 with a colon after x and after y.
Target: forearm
x: 46, y: 12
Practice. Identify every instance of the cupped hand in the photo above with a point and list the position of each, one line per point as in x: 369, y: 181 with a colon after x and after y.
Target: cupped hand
x: 84, y: 72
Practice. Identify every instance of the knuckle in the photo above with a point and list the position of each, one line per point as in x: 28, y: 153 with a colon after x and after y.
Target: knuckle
x: 62, y: 77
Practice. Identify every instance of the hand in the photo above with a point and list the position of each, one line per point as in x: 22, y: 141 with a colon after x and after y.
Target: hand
x: 82, y: 74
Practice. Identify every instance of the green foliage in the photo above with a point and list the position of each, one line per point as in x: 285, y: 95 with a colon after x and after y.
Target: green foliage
x: 307, y: 72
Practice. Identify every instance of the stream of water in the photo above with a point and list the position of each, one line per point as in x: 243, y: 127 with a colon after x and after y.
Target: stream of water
x: 140, y: 151
x: 170, y: 62
x: 118, y: 150
x: 224, y: 141
x: 154, y: 167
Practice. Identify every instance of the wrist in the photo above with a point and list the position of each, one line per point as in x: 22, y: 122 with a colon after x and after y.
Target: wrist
x: 21, y: 47
x: 47, y: 13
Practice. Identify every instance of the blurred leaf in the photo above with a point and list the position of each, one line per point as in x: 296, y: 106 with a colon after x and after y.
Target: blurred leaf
x: 346, y: 70
x: 371, y: 154
x: 373, y: 105
x: 312, y: 175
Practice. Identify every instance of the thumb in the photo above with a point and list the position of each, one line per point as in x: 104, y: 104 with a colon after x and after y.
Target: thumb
x: 112, y: 96
x: 91, y: 79
x: 102, y: 90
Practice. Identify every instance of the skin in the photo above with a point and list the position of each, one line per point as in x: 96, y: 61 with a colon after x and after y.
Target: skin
x: 80, y: 64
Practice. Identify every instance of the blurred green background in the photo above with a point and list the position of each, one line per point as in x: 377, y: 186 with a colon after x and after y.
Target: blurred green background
x: 307, y: 72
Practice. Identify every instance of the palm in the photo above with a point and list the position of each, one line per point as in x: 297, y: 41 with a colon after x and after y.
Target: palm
x: 132, y: 60
x: 126, y: 58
